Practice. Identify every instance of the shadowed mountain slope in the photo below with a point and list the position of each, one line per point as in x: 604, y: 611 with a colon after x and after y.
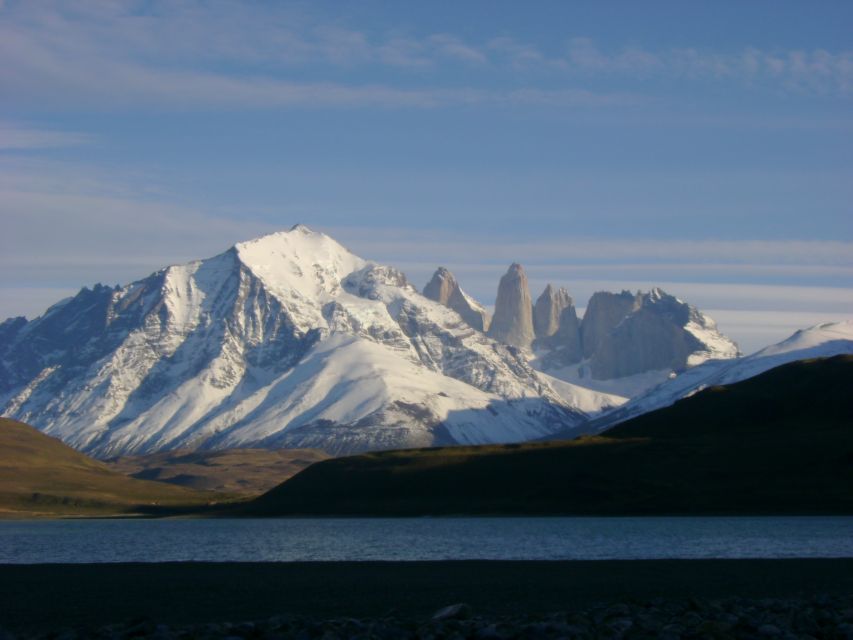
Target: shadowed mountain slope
x: 781, y: 442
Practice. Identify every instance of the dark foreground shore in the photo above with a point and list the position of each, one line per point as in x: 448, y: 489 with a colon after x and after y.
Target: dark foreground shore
x: 37, y: 599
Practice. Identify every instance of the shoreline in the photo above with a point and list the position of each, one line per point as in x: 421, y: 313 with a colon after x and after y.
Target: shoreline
x: 39, y: 598
x: 238, y: 514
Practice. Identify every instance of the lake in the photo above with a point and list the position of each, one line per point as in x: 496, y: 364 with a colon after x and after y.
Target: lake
x: 322, y: 539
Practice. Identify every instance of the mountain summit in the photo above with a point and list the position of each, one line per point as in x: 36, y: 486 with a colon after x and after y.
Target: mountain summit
x: 288, y: 340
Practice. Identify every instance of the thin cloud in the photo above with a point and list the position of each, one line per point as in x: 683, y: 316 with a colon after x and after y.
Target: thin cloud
x: 108, y: 81
x: 448, y: 246
x: 817, y: 70
x: 113, y: 83
x: 16, y: 138
x: 452, y: 47
x: 222, y: 56
x: 517, y: 55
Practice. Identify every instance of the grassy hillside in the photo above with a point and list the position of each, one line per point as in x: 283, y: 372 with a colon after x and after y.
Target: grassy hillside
x: 781, y: 442
x: 237, y: 471
x: 41, y: 476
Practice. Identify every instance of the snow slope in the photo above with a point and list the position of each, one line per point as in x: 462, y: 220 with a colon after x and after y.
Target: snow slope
x: 286, y: 340
x: 583, y: 398
x: 820, y: 341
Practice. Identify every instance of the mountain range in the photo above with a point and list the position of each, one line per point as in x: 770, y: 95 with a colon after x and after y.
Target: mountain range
x: 290, y: 340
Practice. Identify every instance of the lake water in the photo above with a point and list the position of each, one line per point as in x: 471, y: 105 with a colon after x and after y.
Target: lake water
x: 271, y: 540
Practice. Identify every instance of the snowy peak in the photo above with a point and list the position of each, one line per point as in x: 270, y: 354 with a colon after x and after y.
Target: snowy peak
x: 303, y: 261
x: 826, y: 339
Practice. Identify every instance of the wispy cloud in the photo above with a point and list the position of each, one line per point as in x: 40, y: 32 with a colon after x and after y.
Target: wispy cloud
x: 800, y: 70
x: 455, y: 49
x: 104, y: 80
x: 444, y: 245
x: 14, y: 137
x: 223, y: 56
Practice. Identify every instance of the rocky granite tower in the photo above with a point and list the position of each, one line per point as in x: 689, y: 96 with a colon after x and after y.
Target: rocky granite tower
x: 566, y: 342
x: 513, y: 320
x: 604, y: 311
x: 444, y: 288
x: 547, y: 310
x: 659, y: 333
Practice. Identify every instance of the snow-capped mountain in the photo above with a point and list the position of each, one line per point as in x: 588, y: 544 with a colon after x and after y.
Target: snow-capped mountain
x: 286, y: 340
x: 820, y: 341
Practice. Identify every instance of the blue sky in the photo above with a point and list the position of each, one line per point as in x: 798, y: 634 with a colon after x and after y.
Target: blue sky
x: 705, y: 147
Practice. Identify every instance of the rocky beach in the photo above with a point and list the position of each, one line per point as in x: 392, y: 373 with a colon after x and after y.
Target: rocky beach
x: 463, y: 599
x: 804, y: 618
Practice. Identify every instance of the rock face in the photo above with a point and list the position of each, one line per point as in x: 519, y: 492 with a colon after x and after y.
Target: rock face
x: 821, y: 341
x: 566, y: 342
x: 513, y: 320
x: 547, y: 310
x: 444, y: 289
x: 288, y: 340
x: 659, y: 332
x: 557, y: 328
x: 604, y: 311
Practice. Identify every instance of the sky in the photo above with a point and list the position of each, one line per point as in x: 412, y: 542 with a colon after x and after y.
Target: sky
x: 703, y: 147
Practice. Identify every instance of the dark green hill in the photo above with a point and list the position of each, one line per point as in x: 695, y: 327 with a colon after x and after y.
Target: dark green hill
x: 781, y: 442
x: 41, y: 476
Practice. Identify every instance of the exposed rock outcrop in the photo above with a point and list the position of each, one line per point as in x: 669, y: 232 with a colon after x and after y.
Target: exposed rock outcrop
x: 555, y: 322
x: 604, y: 311
x: 444, y: 288
x: 566, y: 342
x: 660, y: 332
x: 547, y: 310
x: 513, y: 320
